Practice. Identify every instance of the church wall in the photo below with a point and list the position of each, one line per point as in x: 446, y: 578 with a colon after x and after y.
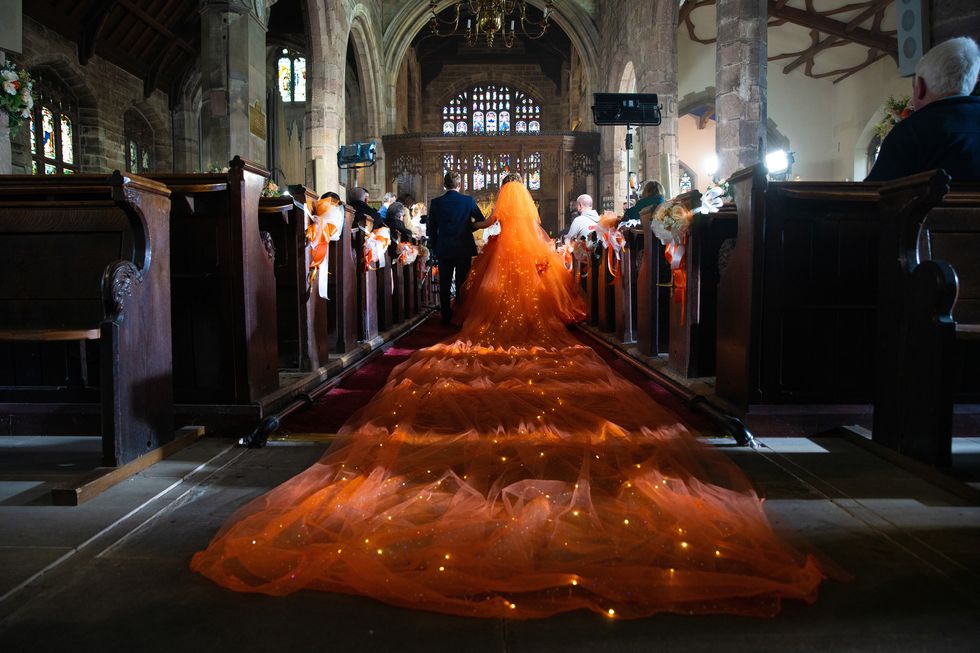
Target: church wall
x: 827, y: 124
x: 104, y: 92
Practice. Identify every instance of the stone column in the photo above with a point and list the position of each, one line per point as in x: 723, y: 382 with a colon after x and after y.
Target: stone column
x: 740, y: 84
x: 659, y: 76
x: 233, y: 80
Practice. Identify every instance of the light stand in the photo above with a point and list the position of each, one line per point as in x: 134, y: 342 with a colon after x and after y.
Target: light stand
x: 629, y: 156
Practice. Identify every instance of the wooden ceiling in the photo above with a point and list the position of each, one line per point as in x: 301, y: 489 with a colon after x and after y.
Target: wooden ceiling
x: 830, y: 25
x: 155, y: 40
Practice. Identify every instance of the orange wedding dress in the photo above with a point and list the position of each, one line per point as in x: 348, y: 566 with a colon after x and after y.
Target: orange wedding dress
x: 509, y: 472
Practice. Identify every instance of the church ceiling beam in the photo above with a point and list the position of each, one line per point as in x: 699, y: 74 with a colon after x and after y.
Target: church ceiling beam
x: 149, y: 20
x: 92, y: 26
x: 877, y: 40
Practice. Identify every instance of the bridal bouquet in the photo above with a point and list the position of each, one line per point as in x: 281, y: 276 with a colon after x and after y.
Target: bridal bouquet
x: 17, y: 97
x: 896, y: 110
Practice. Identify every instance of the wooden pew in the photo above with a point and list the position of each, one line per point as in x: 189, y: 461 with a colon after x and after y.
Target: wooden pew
x: 797, y: 301
x: 223, y: 290
x: 342, y: 307
x: 367, y: 284
x: 693, y: 322
x: 85, y: 310
x: 300, y: 311
x: 928, y: 340
x: 386, y: 287
x: 653, y: 281
x: 625, y: 299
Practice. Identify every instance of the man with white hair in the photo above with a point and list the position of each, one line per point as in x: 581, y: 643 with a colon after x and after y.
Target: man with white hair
x: 944, y: 129
x: 587, y: 217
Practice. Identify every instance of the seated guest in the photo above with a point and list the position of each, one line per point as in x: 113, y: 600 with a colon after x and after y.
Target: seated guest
x: 944, y: 129
x: 330, y: 195
x: 358, y: 200
x: 395, y: 219
x: 385, y: 203
x: 651, y: 195
x: 587, y: 217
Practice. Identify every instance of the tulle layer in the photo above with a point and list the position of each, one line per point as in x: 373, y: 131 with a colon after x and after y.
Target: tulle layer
x: 511, y: 473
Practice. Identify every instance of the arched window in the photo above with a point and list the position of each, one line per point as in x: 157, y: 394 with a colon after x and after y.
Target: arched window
x: 139, y: 142
x: 687, y: 177
x: 491, y: 109
x: 532, y: 171
x: 873, y: 148
x: 54, y: 141
x: 291, y: 76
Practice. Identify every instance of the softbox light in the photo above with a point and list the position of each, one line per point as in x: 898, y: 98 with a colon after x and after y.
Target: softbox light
x: 625, y: 109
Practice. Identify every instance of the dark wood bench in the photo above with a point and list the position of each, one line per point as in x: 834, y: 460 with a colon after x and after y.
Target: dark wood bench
x: 225, y: 349
x: 693, y: 322
x: 928, y: 340
x: 797, y: 300
x: 342, y: 311
x: 653, y: 281
x: 85, y: 341
x: 367, y: 283
x: 302, y: 320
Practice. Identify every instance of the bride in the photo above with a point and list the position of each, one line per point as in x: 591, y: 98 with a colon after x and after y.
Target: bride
x: 509, y: 472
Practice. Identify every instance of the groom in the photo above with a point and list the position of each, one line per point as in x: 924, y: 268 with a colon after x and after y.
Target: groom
x: 450, y: 231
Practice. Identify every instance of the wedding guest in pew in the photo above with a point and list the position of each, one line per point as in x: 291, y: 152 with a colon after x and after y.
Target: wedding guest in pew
x: 587, y: 217
x: 358, y: 198
x: 944, y: 128
x: 386, y: 203
x: 395, y: 219
x: 652, y: 195
x: 331, y: 195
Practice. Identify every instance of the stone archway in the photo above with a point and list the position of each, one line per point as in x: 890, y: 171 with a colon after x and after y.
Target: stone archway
x: 576, y: 22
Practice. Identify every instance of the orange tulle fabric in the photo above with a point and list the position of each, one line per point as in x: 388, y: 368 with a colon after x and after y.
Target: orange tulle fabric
x: 509, y: 472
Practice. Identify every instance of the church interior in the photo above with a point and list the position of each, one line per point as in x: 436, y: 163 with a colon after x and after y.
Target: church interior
x: 186, y: 321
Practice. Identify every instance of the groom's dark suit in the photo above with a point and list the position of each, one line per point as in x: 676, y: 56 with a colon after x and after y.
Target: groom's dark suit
x: 451, y: 238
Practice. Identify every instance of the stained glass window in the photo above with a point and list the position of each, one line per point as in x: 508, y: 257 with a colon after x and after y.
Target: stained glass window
x: 447, y: 127
x: 52, y: 128
x: 461, y: 127
x: 533, y: 172
x: 67, y: 140
x: 492, y: 109
x: 534, y: 127
x: 139, y: 139
x: 291, y: 76
x: 686, y: 183
x: 479, y: 176
x: 47, y: 123
x: 299, y: 79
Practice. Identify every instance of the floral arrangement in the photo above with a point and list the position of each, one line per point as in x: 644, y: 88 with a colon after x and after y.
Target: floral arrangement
x: 271, y: 189
x: 407, y: 253
x: 671, y: 222
x: 17, y: 98
x: 896, y: 110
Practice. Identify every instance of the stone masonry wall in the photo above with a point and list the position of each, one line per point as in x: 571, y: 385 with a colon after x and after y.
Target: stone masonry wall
x: 104, y: 92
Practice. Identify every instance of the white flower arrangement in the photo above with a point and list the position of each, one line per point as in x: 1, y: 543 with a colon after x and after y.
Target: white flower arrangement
x: 17, y: 96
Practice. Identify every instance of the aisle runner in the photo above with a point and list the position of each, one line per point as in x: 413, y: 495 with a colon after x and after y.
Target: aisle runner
x: 334, y: 408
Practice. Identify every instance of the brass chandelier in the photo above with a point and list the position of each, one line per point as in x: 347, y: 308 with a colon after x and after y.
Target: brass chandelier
x: 489, y: 18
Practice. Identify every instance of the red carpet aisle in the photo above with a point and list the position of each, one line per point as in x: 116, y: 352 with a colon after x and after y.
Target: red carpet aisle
x: 336, y: 406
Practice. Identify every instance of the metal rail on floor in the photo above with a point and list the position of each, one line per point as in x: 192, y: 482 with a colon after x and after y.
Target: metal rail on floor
x: 694, y: 401
x: 259, y: 437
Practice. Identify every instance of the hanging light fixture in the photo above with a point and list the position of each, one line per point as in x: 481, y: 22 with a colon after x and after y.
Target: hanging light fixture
x: 489, y: 18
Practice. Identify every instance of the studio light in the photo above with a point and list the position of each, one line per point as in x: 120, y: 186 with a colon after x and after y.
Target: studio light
x: 711, y: 165
x: 777, y: 162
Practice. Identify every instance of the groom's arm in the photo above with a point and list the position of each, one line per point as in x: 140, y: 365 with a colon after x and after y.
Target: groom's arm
x: 476, y: 216
x: 432, y: 228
